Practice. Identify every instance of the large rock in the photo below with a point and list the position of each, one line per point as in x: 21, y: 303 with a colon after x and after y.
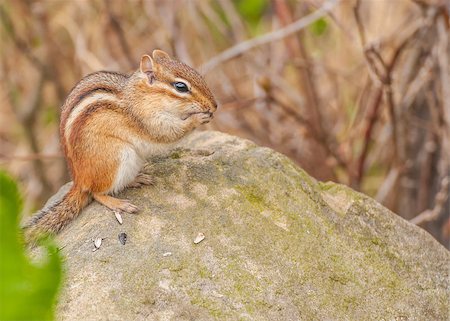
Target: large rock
x: 278, y: 246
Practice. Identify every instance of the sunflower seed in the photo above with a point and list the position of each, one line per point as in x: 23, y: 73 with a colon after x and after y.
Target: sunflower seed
x: 200, y: 237
x: 167, y: 254
x: 118, y: 217
x: 97, y: 244
x: 123, y: 238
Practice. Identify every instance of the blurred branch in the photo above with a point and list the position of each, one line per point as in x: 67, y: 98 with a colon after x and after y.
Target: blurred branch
x: 29, y: 157
x: 237, y: 24
x: 27, y: 115
x: 371, y: 120
x: 117, y: 28
x: 388, y: 184
x: 23, y: 47
x: 29, y: 112
x: 294, y: 114
x: 359, y: 25
x: 307, y: 87
x: 444, y: 67
x: 381, y: 72
x: 279, y: 34
x: 284, y: 14
x: 27, y: 118
x: 423, y: 76
x: 433, y: 214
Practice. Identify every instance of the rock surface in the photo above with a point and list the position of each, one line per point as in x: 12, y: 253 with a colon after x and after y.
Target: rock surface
x: 278, y: 246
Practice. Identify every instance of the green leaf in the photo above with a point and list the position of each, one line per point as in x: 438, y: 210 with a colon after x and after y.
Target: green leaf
x: 50, y: 115
x: 319, y: 27
x: 27, y: 291
x: 252, y: 10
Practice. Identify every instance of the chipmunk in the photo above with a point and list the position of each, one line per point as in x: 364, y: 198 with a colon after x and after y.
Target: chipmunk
x: 110, y: 124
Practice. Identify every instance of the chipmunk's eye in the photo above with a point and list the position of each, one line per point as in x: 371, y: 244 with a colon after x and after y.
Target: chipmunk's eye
x: 181, y: 87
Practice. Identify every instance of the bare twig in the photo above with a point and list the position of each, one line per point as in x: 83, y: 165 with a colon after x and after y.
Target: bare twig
x: 381, y: 73
x: 444, y: 67
x: 29, y: 157
x: 371, y: 120
x: 23, y: 47
x: 322, y: 140
x: 359, y: 25
x: 284, y: 15
x: 388, y: 184
x: 115, y: 25
x: 28, y: 119
x: 306, y: 77
x: 427, y: 164
x: 433, y: 214
x: 237, y: 24
x: 279, y: 34
x: 414, y: 87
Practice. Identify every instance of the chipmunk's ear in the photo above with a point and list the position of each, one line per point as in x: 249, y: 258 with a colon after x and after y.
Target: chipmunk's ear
x: 159, y: 54
x: 148, y: 67
x: 146, y: 64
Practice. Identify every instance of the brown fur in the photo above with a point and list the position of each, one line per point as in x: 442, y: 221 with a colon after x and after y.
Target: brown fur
x: 181, y: 70
x: 56, y: 217
x: 112, y: 113
x: 91, y: 158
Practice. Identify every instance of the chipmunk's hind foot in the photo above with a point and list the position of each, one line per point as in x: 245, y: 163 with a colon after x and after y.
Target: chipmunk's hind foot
x: 116, y: 204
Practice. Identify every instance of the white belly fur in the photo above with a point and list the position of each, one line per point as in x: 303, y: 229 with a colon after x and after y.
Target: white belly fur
x: 132, y: 159
x: 130, y: 165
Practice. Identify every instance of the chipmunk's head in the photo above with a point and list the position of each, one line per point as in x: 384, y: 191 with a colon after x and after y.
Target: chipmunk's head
x: 178, y: 86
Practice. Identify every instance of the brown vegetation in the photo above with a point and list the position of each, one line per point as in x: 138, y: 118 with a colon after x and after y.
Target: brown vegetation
x: 360, y: 96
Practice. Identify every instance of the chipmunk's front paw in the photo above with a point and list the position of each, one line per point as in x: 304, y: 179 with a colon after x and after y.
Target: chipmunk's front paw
x: 201, y: 118
x: 142, y: 179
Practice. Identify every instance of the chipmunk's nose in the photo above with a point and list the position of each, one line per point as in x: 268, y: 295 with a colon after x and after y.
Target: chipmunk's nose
x: 214, y: 107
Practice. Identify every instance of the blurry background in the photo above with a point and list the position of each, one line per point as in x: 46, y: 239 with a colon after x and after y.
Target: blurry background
x: 359, y: 96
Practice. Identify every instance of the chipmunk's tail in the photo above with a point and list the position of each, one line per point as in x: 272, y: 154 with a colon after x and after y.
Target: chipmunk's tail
x: 54, y: 218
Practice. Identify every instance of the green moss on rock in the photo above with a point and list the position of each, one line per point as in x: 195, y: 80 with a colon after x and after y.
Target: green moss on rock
x: 278, y: 246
